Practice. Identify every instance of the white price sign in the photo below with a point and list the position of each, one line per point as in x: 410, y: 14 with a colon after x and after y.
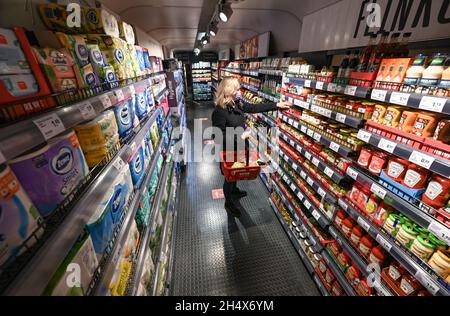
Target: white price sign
x: 350, y: 90
x: 105, y: 100
x: 335, y: 147
x: 300, y: 196
x: 383, y: 242
x: 434, y: 104
x: 293, y: 187
x: 307, y: 204
x: 343, y: 205
x: 294, y: 166
x: 427, y: 282
x: 303, y: 174
x: 341, y: 117
x: 317, y: 137
x: 118, y: 163
x: 379, y: 95
x: 331, y: 87
x: 315, y: 214
x: 363, y: 224
x: 399, y: 98
x: 297, y: 102
x: 87, y: 110
x: 440, y: 231
x: 321, y: 192
x: 309, y: 181
x: 387, y: 145
x: 307, y: 83
x: 290, y: 121
x: 352, y: 173
x: 327, y: 112
x: 119, y: 95
x: 328, y: 172
x: 319, y: 85
x: 132, y: 89
x: 421, y: 159
x: 310, y: 133
x: 378, y: 190
x: 308, y: 155
x: 315, y: 161
x: 364, y: 136
x: 303, y: 129
x: 50, y: 125
x: 295, y: 124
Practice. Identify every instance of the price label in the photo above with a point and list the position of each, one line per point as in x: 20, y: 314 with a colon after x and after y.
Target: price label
x: 328, y: 172
x: 303, y: 174
x: 378, y: 190
x: 293, y: 187
x: 315, y: 214
x: 343, y: 205
x: 295, y: 124
x: 315, y: 108
x: 307, y: 204
x: 341, y: 117
x: 399, y: 98
x: 303, y: 129
x: 105, y: 100
x: 350, y: 90
x: 383, y: 242
x: 87, y: 110
x: 335, y: 147
x: 294, y: 166
x: 363, y: 224
x: 310, y: 133
x: 2, y: 158
x: 427, y: 282
x: 285, y: 178
x: 308, y: 155
x: 331, y: 87
x: 440, y: 231
x: 434, y: 104
x: 292, y: 142
x: 309, y: 181
x: 119, y: 95
x: 291, y: 121
x: 119, y: 163
x: 327, y: 112
x: 352, y: 173
x: 297, y: 102
x: 300, y: 196
x: 307, y: 83
x: 319, y: 85
x: 364, y: 136
x: 50, y: 125
x: 379, y: 95
x: 387, y: 145
x: 315, y: 161
x: 317, y: 137
x: 321, y: 192
x: 421, y: 159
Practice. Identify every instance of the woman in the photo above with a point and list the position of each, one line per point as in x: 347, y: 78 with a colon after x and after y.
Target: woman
x: 229, y: 112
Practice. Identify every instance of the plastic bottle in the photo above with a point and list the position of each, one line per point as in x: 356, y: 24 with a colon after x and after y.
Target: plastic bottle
x: 433, y: 73
x: 415, y: 71
x: 437, y: 192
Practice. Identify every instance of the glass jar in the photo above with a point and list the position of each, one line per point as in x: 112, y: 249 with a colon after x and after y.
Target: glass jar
x: 392, y: 224
x: 406, y: 235
x: 423, y: 247
x: 440, y: 262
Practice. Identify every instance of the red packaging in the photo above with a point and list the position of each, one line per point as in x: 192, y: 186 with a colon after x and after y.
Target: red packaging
x: 396, y: 168
x: 378, y: 162
x: 415, y: 177
x: 438, y: 192
x: 364, y: 157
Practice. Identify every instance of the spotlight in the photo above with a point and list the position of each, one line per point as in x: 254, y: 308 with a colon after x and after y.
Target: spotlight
x: 213, y: 30
x: 225, y: 12
x: 205, y: 40
x: 197, y: 51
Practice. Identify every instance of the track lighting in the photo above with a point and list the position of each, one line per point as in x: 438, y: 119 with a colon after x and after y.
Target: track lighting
x: 213, y: 30
x: 205, y: 40
x: 196, y: 51
x: 225, y: 12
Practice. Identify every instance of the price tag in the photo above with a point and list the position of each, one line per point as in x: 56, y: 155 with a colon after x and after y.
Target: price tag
x: 328, y: 172
x: 387, y: 145
x: 364, y: 136
x: 105, y: 100
x: 295, y: 124
x: 294, y: 166
x: 309, y: 181
x: 421, y: 159
x: 327, y: 112
x: 315, y: 214
x: 319, y: 85
x: 285, y: 178
x: 379, y: 95
x: 297, y: 102
x: 307, y: 83
x: 350, y: 90
x: 434, y: 104
x: 118, y: 163
x: 335, y: 147
x: 87, y: 110
x: 343, y: 205
x: 119, y: 95
x: 2, y: 158
x: 383, y: 242
x: 363, y: 224
x: 331, y: 87
x: 315, y: 161
x: 399, y: 98
x: 293, y: 187
x: 317, y: 137
x: 308, y: 155
x: 426, y: 281
x: 352, y: 173
x: 291, y: 121
x: 303, y: 129
x: 440, y: 231
x: 292, y: 142
x: 321, y: 192
x: 300, y: 196
x: 307, y: 204
x: 341, y: 117
x: 310, y: 132
x: 378, y: 190
x: 50, y: 125
x: 303, y: 174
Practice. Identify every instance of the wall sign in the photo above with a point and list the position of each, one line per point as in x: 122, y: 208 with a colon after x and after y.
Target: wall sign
x: 254, y: 47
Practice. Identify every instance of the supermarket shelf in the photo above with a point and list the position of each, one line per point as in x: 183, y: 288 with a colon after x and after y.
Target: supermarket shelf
x: 162, y: 95
x: 358, y: 260
x: 267, y: 119
x: 433, y: 163
x: 268, y: 97
x: 35, y: 276
x: 250, y: 88
x: 320, y: 285
x: 251, y: 73
x: 263, y: 178
x: 420, y: 270
x: 333, y: 174
x: 272, y: 72
x: 419, y: 216
x: 318, y: 137
x: 234, y: 71
x: 338, y: 274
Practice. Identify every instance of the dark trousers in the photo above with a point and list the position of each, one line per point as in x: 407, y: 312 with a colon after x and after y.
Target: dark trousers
x: 228, y: 188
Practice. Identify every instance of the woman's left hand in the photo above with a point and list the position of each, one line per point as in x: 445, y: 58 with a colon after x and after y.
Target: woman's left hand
x: 284, y: 105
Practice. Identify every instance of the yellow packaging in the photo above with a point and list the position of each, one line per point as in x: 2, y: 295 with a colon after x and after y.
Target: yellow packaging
x: 120, y: 280
x: 100, y: 21
x: 76, y: 43
x: 55, y: 16
x: 392, y: 116
x: 127, y: 33
x: 378, y: 113
x: 93, y: 159
x: 136, y: 71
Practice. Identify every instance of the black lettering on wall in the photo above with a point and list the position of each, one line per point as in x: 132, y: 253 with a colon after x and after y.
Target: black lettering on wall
x: 403, y: 10
x: 444, y: 8
x: 425, y: 8
x: 361, y: 17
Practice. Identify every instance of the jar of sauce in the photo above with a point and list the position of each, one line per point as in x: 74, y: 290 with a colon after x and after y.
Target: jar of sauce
x: 378, y: 162
x: 415, y: 177
x: 366, y: 245
x: 364, y: 157
x: 438, y: 192
x: 347, y: 226
x: 440, y: 262
x: 356, y: 234
x: 364, y: 289
x: 414, y: 73
x: 409, y: 285
x: 343, y: 260
x: 353, y: 274
x: 422, y: 247
x: 396, y: 168
x: 440, y: 245
x: 395, y: 272
x: 377, y: 256
x: 433, y: 73
x: 392, y: 224
x: 406, y: 235
x: 340, y: 216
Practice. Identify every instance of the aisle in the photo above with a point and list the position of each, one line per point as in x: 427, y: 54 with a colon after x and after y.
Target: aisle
x: 219, y: 255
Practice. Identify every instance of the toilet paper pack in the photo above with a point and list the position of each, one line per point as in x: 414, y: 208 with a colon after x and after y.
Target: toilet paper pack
x: 124, y: 113
x: 104, y: 71
x: 127, y: 33
x: 141, y: 104
x: 12, y: 59
x: 100, y: 21
x: 77, y: 45
x: 137, y: 166
x: 55, y: 16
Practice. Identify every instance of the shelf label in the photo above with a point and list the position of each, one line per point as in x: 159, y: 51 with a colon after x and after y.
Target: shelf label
x: 364, y: 136
x: 294, y: 166
x: 295, y: 124
x: 363, y: 224
x: 427, y: 282
x: 399, y: 98
x: 352, y: 173
x: 343, y: 204
x: 87, y: 110
x: 105, y: 100
x: 341, y: 117
x: 297, y: 102
x: 319, y: 85
x: 335, y: 147
x: 50, y: 125
x: 2, y: 158
x: 303, y: 129
x: 434, y: 104
x: 290, y: 121
x: 378, y: 190
x: 132, y: 89
x: 293, y: 187
x: 308, y: 155
x: 303, y: 174
x: 441, y: 232
x: 285, y: 178
x: 315, y: 161
x: 350, y: 90
x: 307, y: 204
x: 387, y: 145
x: 307, y: 83
x: 119, y: 95
x: 317, y: 137
x: 327, y: 112
x: 315, y: 214
x: 118, y: 163
x: 331, y: 87
x: 379, y: 95
x: 328, y: 172
x: 300, y: 196
x: 310, y: 181
x: 421, y: 159
x: 310, y: 133
x: 383, y: 242
x: 321, y: 192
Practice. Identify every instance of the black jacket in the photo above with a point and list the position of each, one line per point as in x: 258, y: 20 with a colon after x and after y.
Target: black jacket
x: 234, y: 117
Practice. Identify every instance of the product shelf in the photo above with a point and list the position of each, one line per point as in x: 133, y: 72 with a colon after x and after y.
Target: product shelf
x: 267, y: 119
x: 320, y: 285
x: 338, y: 274
x: 416, y: 267
x: 428, y: 161
x: 272, y: 72
x: 318, y: 137
x: 251, y: 73
x: 268, y: 97
x: 418, y: 215
x: 250, y: 88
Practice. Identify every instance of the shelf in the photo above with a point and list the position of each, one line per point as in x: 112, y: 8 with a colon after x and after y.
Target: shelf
x: 318, y: 137
x: 162, y: 95
x: 333, y: 174
x: 250, y: 88
x: 272, y: 72
x: 320, y: 285
x: 268, y: 97
x: 338, y: 274
x: 234, y: 71
x: 433, y: 163
x: 251, y: 73
x: 267, y: 119
x: 35, y: 276
x: 420, y: 270
x: 415, y: 213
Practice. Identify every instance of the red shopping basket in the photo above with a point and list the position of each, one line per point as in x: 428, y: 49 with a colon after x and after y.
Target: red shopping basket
x: 238, y: 174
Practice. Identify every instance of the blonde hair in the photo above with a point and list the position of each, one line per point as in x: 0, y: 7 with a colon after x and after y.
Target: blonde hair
x: 226, y: 91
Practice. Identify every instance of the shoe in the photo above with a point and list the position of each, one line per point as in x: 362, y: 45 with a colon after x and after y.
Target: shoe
x: 239, y: 193
x: 232, y: 209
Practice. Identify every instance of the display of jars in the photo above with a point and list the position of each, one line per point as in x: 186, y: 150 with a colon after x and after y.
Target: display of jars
x: 423, y: 247
x: 406, y: 235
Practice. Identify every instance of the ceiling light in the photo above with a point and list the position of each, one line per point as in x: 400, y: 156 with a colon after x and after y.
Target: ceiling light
x: 213, y: 30
x: 225, y: 12
x: 197, y: 51
x: 205, y: 40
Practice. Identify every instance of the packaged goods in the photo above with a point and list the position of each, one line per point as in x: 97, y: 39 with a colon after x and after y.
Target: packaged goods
x: 409, y: 285
x: 55, y: 17
x: 124, y: 113
x: 100, y: 21
x: 433, y: 73
x: 366, y: 245
x: 407, y: 121
x: 442, y: 131
x: 440, y: 262
x: 438, y: 191
x: 141, y: 102
x: 378, y: 162
x: 393, y: 223
x: 415, y: 177
x: 12, y: 59
x: 137, y: 166
x: 396, y: 168
x: 395, y: 272
x: 378, y: 256
x: 147, y: 274
x: 379, y: 113
x: 26, y: 85
x: 414, y: 72
x: 406, y: 235
x: 143, y: 212
x: 77, y: 45
x: 423, y: 247
x: 120, y: 277
x: 127, y: 33
x: 61, y: 162
x: 425, y: 125
x: 392, y: 116
x: 382, y: 213
x: 18, y: 215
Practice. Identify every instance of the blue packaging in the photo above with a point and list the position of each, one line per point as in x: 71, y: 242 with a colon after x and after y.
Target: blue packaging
x: 150, y: 99
x: 408, y: 194
x: 124, y: 113
x: 141, y: 105
x: 137, y: 166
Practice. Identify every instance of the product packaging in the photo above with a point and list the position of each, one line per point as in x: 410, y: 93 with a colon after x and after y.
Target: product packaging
x: 137, y: 166
x: 124, y: 113
x: 12, y: 59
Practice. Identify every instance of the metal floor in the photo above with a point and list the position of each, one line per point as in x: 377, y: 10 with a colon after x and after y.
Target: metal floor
x: 219, y: 255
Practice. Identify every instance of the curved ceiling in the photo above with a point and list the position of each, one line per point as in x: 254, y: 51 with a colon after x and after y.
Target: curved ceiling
x: 175, y: 23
